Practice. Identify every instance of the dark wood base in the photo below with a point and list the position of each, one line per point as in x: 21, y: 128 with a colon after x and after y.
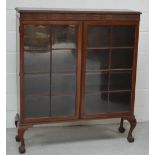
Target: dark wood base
x: 133, y: 122
x: 130, y: 139
x: 20, y: 138
x: 22, y: 128
x: 22, y: 149
x: 17, y: 138
x: 20, y: 133
x: 121, y: 128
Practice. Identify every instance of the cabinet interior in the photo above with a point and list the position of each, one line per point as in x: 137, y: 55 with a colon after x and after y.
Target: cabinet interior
x: 51, y: 67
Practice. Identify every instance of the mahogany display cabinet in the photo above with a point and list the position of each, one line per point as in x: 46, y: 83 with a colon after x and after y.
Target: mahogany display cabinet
x: 75, y: 65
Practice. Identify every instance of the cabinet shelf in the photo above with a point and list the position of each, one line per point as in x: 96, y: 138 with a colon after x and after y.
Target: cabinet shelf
x: 39, y: 73
x: 52, y: 94
x: 48, y: 49
x: 90, y: 48
x: 61, y: 49
x: 108, y: 91
x: 107, y: 70
x: 35, y: 73
x: 104, y: 48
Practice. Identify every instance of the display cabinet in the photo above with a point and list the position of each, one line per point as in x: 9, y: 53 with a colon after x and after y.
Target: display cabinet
x: 75, y: 65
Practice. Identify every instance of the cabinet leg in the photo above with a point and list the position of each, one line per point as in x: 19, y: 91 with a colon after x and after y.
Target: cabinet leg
x: 17, y: 138
x: 16, y: 120
x: 133, y: 122
x: 121, y: 128
x: 20, y: 138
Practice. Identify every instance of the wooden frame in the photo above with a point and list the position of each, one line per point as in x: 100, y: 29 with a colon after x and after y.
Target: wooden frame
x: 83, y: 18
x: 111, y: 23
x: 24, y: 120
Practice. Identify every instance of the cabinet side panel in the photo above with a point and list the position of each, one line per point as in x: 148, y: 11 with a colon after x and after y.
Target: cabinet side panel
x: 18, y: 61
x: 135, y: 67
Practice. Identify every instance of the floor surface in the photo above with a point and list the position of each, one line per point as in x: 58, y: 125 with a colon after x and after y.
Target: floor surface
x: 81, y: 140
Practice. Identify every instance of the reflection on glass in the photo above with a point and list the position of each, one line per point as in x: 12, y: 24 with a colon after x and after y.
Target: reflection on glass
x: 36, y: 106
x: 63, y: 106
x: 122, y: 58
x: 36, y: 61
x: 97, y: 82
x: 119, y: 102
x: 98, y: 36
x: 120, y: 80
x: 123, y: 36
x: 37, y: 84
x: 64, y: 36
x: 63, y: 84
x: 96, y: 103
x: 36, y: 37
x: 97, y: 60
x: 64, y: 60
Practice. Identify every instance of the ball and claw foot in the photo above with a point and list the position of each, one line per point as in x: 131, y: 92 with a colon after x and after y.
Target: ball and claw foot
x: 16, y: 123
x: 130, y: 139
x: 22, y: 149
x: 121, y: 129
x: 16, y: 120
x: 17, y: 138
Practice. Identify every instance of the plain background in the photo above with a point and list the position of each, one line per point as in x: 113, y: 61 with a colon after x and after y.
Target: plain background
x: 142, y: 86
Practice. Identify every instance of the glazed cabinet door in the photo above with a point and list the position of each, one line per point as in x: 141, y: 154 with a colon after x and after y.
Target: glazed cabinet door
x: 107, y: 68
x: 51, y: 69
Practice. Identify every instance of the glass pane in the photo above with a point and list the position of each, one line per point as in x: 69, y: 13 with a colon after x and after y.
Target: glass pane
x: 63, y: 84
x: 36, y: 61
x: 64, y: 36
x: 122, y: 58
x: 64, y: 60
x: 119, y: 102
x: 97, y: 82
x: 63, y: 105
x: 96, y: 103
x: 122, y: 36
x: 36, y: 37
x: 97, y: 60
x: 37, y: 84
x: 120, y: 80
x: 37, y: 106
x: 98, y: 36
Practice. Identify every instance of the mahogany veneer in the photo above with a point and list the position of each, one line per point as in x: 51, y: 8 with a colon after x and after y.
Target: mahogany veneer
x: 75, y: 65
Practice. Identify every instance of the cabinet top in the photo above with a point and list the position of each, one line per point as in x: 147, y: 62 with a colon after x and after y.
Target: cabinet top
x: 60, y: 10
